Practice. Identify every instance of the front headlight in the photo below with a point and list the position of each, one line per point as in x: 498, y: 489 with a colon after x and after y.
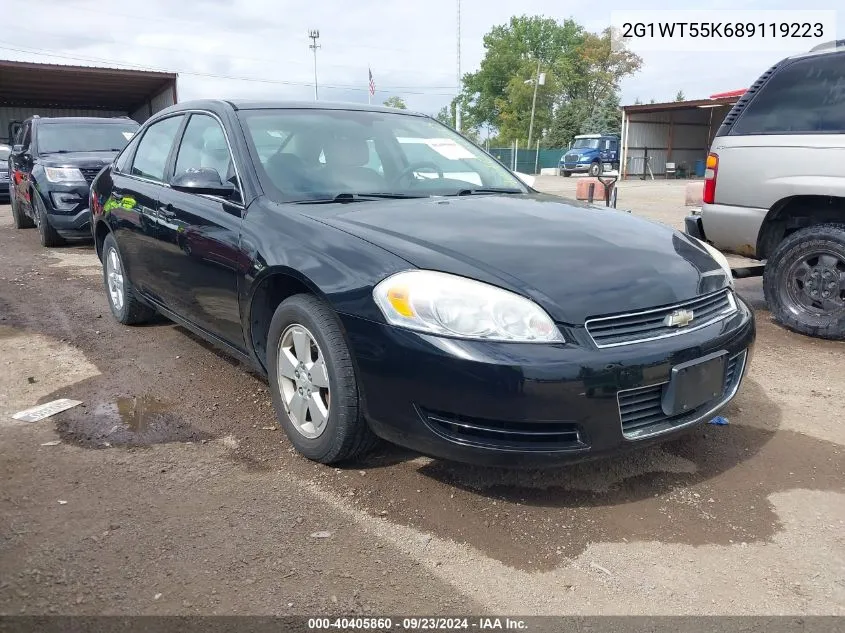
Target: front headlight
x: 440, y: 303
x: 720, y: 259
x: 64, y: 174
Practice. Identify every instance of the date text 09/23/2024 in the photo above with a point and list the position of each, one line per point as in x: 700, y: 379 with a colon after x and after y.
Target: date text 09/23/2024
x: 417, y: 624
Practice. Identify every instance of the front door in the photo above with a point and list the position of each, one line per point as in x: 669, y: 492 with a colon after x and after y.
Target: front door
x: 199, y: 236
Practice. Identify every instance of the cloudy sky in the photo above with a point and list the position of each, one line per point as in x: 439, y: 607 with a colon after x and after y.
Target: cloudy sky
x: 410, y: 46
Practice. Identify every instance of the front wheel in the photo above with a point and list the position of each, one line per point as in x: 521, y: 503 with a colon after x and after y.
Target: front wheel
x: 595, y: 169
x: 49, y: 236
x: 313, y: 382
x: 804, y: 281
x: 566, y: 174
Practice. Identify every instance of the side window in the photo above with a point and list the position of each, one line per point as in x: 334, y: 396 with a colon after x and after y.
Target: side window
x: 204, y: 147
x: 122, y: 163
x: 612, y: 145
x: 806, y: 96
x: 154, y: 147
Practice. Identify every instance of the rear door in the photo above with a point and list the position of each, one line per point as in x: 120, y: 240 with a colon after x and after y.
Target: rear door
x: 133, y: 206
x: 199, y: 254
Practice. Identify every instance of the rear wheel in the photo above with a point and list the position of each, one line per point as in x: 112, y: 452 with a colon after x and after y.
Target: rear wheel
x: 49, y: 237
x: 804, y: 281
x: 313, y: 382
x: 119, y: 291
x: 21, y: 219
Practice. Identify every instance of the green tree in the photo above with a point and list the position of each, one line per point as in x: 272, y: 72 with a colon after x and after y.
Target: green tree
x: 680, y: 96
x: 583, y: 72
x: 395, y: 102
x: 511, y: 54
x: 637, y: 101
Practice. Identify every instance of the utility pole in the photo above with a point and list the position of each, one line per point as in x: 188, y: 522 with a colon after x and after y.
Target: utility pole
x: 534, y: 104
x: 314, y: 34
x: 458, y: 100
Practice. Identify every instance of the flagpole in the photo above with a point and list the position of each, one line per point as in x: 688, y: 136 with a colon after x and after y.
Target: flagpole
x: 369, y: 91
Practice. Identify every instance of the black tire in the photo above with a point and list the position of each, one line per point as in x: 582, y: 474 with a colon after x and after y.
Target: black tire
x: 133, y: 311
x: 346, y: 434
x: 784, y: 292
x: 49, y: 237
x: 566, y: 174
x: 21, y: 219
x: 595, y: 169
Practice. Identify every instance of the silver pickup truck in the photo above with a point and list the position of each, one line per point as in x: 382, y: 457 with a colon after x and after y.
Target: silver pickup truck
x: 775, y: 188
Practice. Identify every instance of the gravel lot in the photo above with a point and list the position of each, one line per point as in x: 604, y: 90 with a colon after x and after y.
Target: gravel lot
x: 171, y: 493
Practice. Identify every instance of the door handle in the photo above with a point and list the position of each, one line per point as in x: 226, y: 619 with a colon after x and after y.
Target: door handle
x: 167, y: 212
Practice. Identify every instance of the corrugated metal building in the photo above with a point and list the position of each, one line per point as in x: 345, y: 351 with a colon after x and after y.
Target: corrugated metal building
x: 679, y: 132
x: 28, y: 88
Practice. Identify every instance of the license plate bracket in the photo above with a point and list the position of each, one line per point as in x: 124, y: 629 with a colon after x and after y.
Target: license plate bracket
x: 694, y: 383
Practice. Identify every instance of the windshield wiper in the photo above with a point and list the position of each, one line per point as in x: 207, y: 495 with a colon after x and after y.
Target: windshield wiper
x: 359, y: 197
x: 472, y: 192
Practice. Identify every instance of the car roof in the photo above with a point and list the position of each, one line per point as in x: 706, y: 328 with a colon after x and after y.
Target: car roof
x: 247, y: 104
x: 837, y: 46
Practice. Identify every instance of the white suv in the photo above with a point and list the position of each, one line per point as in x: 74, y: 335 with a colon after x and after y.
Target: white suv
x: 775, y: 188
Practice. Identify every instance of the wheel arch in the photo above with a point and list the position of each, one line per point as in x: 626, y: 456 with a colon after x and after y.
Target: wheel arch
x: 101, y: 231
x: 269, y: 289
x: 793, y: 213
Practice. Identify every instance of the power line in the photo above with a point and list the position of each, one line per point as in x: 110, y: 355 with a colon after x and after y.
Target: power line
x: 415, y: 90
x: 274, y: 61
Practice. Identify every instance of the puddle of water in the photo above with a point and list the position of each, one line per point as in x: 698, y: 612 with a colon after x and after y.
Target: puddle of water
x: 128, y: 421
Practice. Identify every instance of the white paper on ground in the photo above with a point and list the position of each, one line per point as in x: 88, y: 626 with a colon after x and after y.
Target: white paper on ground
x: 45, y: 410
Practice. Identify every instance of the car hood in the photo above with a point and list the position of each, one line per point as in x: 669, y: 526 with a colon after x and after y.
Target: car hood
x: 77, y: 159
x: 575, y: 260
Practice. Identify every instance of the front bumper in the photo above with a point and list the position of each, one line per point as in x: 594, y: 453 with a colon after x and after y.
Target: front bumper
x: 525, y: 405
x: 76, y: 226
x: 575, y: 167
x: 71, y: 221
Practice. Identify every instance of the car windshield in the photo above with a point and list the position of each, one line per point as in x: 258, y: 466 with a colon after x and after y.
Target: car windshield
x: 5, y: 150
x: 583, y: 143
x: 316, y: 154
x: 84, y: 137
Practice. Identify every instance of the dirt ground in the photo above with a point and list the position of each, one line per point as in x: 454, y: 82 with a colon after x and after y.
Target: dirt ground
x: 171, y: 492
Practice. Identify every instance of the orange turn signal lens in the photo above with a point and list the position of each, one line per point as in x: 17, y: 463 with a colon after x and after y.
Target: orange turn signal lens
x: 400, y: 299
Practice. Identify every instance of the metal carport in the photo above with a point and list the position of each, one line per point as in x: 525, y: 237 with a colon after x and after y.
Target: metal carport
x: 28, y: 88
x: 679, y: 132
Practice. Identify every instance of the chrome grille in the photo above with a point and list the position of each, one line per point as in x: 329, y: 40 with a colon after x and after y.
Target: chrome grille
x: 570, y: 158
x: 641, y: 413
x: 89, y: 173
x: 625, y: 329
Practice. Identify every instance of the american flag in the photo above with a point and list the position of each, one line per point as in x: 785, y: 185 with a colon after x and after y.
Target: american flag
x: 372, y: 83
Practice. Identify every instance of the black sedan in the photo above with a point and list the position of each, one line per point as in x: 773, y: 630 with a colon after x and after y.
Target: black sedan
x: 393, y: 280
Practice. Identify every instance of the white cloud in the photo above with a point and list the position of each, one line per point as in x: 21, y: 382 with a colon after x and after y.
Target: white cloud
x: 411, y: 47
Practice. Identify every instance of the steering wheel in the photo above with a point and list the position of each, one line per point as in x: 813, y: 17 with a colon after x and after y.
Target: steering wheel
x: 410, y: 169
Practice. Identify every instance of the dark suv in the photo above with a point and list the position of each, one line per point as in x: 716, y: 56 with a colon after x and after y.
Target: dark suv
x: 51, y: 168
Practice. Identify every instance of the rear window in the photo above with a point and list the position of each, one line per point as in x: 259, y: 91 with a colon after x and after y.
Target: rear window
x: 806, y: 96
x: 84, y: 137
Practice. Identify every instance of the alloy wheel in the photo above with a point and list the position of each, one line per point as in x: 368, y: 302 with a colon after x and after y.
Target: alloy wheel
x: 303, y: 381
x: 114, y: 275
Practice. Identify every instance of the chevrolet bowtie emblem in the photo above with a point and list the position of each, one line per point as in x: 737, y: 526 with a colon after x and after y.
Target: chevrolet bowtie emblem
x: 679, y: 318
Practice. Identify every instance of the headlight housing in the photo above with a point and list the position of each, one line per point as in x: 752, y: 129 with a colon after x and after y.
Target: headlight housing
x: 64, y: 174
x: 720, y: 259
x: 444, y: 304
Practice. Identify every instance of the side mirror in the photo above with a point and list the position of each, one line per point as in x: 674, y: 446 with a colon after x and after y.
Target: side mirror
x: 204, y: 180
x: 17, y: 147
